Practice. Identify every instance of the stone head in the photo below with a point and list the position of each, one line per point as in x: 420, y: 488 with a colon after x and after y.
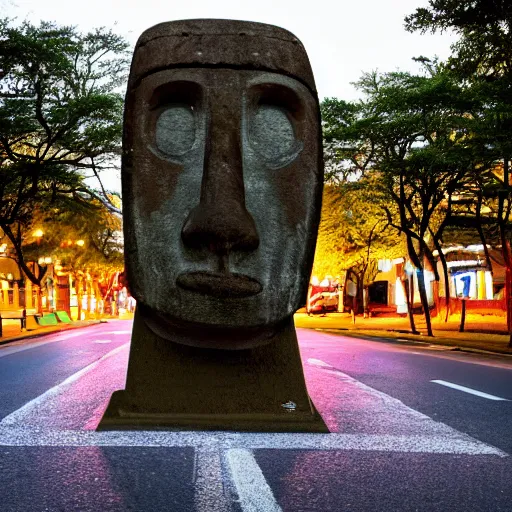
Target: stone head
x: 222, y: 175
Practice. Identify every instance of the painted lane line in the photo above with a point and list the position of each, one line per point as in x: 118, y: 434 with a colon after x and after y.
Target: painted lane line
x: 102, y: 341
x: 362, y: 410
x: 463, y: 445
x: 469, y: 390
x: 365, y: 420
x: 318, y: 362
x: 208, y: 486
x: 254, y: 493
x: 31, y: 408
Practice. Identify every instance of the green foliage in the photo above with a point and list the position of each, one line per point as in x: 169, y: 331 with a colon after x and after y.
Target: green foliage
x: 353, y: 229
x: 337, y: 116
x: 63, y: 223
x: 482, y: 62
x: 485, y: 44
x: 57, y: 93
x: 412, y: 138
x: 60, y: 116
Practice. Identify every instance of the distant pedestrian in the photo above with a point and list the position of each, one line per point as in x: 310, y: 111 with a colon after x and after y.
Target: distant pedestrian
x: 131, y: 304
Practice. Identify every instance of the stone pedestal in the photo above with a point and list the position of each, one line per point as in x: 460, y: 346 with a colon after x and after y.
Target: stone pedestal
x: 173, y: 386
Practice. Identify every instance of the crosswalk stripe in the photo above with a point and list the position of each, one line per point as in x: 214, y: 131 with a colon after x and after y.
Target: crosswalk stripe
x: 375, y: 421
x: 208, y: 489
x: 463, y: 445
x: 254, y: 493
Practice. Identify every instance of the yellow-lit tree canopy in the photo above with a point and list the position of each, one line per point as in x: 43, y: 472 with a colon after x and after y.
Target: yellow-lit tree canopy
x: 60, y: 120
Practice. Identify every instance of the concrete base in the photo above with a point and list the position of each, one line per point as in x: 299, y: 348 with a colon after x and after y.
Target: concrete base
x: 172, y: 386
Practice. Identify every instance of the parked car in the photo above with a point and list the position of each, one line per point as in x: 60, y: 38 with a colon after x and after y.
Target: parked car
x: 322, y: 299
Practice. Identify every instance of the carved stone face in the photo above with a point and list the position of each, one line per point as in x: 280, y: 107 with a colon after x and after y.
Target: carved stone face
x: 221, y: 182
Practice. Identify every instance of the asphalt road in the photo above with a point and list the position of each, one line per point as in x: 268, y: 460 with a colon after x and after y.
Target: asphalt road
x: 412, y: 429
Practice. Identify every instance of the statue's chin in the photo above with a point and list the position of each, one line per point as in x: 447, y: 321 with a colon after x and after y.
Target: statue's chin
x: 209, y: 336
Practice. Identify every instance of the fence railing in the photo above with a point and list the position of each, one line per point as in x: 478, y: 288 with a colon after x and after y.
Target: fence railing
x: 478, y: 306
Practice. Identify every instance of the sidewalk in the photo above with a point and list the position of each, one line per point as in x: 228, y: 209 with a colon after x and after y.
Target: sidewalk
x: 482, y: 332
x: 12, y: 332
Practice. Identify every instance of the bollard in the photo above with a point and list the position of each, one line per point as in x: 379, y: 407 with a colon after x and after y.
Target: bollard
x: 463, y: 316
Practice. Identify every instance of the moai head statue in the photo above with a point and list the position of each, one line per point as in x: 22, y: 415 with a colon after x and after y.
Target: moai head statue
x: 222, y: 175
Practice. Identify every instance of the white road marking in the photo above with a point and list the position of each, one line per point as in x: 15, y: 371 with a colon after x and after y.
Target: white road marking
x: 469, y: 390
x: 317, y: 362
x: 254, y: 493
x: 119, y: 332
x: 19, y: 416
x: 102, y: 341
x: 208, y: 489
x: 78, y: 332
x: 30, y: 343
x: 363, y: 419
x: 11, y: 435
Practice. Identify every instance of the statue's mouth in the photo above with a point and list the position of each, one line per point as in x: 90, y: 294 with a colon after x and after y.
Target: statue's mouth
x: 219, y: 284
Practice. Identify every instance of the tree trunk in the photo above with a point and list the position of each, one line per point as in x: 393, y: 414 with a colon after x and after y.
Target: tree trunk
x: 79, y: 297
x: 508, y: 286
x: 89, y: 300
x: 503, y: 215
x: 446, y: 279
x: 463, y: 316
x: 416, y: 260
x: 408, y: 299
x: 424, y: 300
x: 39, y: 307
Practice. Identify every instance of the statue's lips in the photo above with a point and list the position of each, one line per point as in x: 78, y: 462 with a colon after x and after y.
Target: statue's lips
x: 219, y: 284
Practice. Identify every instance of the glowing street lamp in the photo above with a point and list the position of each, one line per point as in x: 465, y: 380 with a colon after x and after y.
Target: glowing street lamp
x: 38, y: 234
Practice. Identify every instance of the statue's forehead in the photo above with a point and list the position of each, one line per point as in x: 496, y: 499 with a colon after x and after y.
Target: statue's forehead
x: 221, y: 44
x: 223, y: 78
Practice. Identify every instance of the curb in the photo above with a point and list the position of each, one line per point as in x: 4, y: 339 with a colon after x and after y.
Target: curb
x: 383, y: 338
x: 38, y: 334
x: 480, y: 351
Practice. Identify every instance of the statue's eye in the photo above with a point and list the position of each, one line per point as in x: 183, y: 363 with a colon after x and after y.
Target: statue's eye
x: 175, y: 129
x: 274, y: 127
x: 272, y: 132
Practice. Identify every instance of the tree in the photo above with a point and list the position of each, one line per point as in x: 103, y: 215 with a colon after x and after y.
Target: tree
x: 337, y: 116
x: 484, y: 27
x: 84, y: 239
x: 482, y: 58
x: 60, y: 118
x: 412, y: 130
x: 353, y: 232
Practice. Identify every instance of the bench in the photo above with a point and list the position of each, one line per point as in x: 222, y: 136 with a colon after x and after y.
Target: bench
x: 54, y: 318
x: 62, y: 316
x: 47, y: 319
x: 20, y: 315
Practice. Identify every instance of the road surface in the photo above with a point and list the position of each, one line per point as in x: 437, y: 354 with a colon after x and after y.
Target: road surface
x: 413, y: 428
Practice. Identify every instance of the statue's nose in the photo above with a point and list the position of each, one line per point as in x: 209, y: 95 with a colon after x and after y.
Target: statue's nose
x: 221, y: 221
